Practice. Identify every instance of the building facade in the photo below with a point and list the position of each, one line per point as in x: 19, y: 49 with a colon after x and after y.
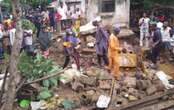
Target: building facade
x: 111, y: 11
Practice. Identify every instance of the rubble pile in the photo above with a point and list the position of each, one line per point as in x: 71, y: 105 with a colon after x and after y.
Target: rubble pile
x: 131, y: 87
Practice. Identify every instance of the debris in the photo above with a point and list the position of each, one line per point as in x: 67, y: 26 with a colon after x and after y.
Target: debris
x: 52, y: 103
x: 69, y: 75
x: 88, y: 80
x: 143, y: 84
x: 104, y: 75
x: 103, y: 101
x: 96, y: 96
x: 159, y: 85
x: 36, y: 105
x: 165, y: 79
x: 90, y: 39
x: 85, y: 100
x: 127, y: 59
x: 76, y: 85
x: 93, y: 71
x: 90, y: 92
x: 119, y: 101
x: 104, y: 84
x: 91, y: 45
x: 89, y: 28
x: 132, y: 91
x: 130, y: 81
x: 132, y: 98
x: 151, y: 90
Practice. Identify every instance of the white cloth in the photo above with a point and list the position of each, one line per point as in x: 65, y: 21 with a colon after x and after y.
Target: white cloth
x: 62, y: 12
x: 144, y: 24
x: 1, y: 34
x: 69, y: 14
x: 160, y: 25
x: 166, y: 35
x: 74, y: 16
x: 45, y: 14
x: 144, y: 31
x: 28, y: 39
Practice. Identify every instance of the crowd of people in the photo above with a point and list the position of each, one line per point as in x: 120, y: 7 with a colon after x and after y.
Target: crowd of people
x: 155, y: 33
x: 46, y: 20
x: 107, y: 48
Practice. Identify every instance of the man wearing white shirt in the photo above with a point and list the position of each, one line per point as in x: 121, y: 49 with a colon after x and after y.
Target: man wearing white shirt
x: 28, y: 41
x: 62, y: 11
x: 160, y: 25
x: 166, y: 36
x: 144, y: 29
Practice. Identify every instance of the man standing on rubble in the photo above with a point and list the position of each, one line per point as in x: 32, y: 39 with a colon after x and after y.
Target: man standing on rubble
x: 144, y: 29
x: 71, y: 45
x: 101, y: 44
x: 113, y: 50
x: 156, y: 45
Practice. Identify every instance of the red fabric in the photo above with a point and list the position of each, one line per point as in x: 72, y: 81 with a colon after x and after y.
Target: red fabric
x: 161, y: 18
x: 58, y: 16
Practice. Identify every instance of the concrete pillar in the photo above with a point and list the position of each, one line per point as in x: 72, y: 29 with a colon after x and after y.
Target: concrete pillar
x: 121, y: 16
x: 92, y: 9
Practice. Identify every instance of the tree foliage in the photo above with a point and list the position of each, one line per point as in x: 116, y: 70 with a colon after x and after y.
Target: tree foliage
x: 37, y: 67
x: 6, y: 4
x: 149, y: 4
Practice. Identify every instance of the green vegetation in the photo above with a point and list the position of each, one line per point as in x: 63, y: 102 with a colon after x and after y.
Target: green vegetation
x: 44, y: 94
x: 26, y: 24
x: 33, y: 68
x: 149, y: 4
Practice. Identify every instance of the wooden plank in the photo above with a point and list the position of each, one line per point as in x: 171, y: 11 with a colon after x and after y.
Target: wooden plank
x: 159, y: 106
x: 142, y: 101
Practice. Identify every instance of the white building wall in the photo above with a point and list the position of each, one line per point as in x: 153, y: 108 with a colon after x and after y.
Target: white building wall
x: 120, y: 17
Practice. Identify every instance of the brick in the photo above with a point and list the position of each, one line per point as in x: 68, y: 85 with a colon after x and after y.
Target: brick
x: 105, y: 84
x: 130, y: 81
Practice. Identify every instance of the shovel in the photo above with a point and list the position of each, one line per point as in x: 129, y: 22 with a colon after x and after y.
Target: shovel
x: 104, y: 101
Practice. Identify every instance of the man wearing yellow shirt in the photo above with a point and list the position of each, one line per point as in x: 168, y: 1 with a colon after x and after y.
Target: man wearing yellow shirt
x: 113, y: 50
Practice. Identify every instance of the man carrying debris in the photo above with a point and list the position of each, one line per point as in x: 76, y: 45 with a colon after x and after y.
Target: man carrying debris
x: 101, y: 43
x: 70, y: 48
x: 113, y: 50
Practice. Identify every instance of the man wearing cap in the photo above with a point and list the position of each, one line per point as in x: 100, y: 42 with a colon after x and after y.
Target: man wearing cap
x: 113, y: 50
x: 70, y: 48
x: 101, y: 43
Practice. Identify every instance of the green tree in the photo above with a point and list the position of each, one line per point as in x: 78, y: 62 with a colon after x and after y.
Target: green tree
x: 149, y: 4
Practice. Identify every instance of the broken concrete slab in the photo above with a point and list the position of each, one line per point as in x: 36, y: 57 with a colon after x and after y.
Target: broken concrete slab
x: 105, y: 84
x: 143, y: 84
x: 92, y: 81
x: 77, y: 86
x: 130, y: 81
x: 151, y: 90
x: 132, y: 98
x: 132, y: 91
x: 93, y: 71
